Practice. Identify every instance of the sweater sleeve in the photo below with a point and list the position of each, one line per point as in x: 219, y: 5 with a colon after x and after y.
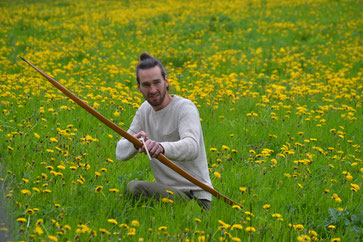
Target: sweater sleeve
x: 125, y: 149
x: 190, y: 130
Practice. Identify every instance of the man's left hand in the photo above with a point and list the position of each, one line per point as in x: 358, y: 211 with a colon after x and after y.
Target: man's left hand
x: 155, y: 148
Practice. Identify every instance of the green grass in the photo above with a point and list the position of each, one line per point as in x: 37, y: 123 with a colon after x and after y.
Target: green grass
x: 278, y: 87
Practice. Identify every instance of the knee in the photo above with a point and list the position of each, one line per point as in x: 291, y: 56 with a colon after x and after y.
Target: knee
x: 134, y: 188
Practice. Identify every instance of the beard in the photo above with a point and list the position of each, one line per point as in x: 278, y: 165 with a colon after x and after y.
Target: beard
x: 156, y: 101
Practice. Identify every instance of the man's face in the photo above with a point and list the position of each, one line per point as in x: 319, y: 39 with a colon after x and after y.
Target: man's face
x: 153, y: 87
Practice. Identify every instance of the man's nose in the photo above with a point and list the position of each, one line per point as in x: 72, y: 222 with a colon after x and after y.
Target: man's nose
x: 153, y: 89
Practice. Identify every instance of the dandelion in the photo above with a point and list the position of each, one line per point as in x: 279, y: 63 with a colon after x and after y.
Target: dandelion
x: 26, y: 192
x: 112, y: 221
x: 238, y: 207
x: 98, y: 189
x: 250, y: 229
x: 104, y: 231
x: 225, y: 147
x: 332, y: 227
x: 354, y: 187
x: 39, y: 222
x: 53, y: 140
x: 115, y: 190
x: 243, y: 189
x: 348, y: 177
x: 335, y: 240
x: 131, y: 232
x: 135, y: 223
x: 167, y: 200
x: 248, y: 213
x: 303, y: 238
x: 162, y: 228
x: 52, y: 238
x: 21, y: 220
x: 216, y: 174
x: 299, y: 227
x: 29, y: 211
x: 170, y: 192
x: 36, y: 135
x: 236, y: 226
x: 38, y: 230
x: 223, y: 225
x: 266, y: 207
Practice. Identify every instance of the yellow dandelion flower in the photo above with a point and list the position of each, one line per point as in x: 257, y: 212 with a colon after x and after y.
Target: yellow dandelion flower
x: 38, y: 230
x: 216, y: 174
x: 61, y: 167
x: 266, y: 206
x: 213, y: 149
x: 170, y: 192
x: 112, y: 221
x: 354, y: 187
x: 39, y: 222
x: 98, y: 189
x: 135, y: 223
x: 115, y: 190
x: 54, y: 140
x: 303, y: 238
x: 198, y: 220
x: 36, y: 135
x: 29, y: 211
x: 335, y: 240
x: 236, y: 226
x: 26, y: 192
x: 162, y: 228
x: 332, y: 227
x: 250, y: 229
x: 348, y: 177
x: 21, y: 220
x: 243, y: 189
x: 167, y: 200
x: 299, y: 227
x: 104, y: 231
x: 52, y: 238
x: 131, y: 232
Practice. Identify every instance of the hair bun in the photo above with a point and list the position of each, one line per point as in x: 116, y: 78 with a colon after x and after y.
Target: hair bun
x: 145, y: 56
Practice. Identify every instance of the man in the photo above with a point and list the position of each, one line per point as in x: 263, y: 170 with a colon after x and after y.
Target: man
x: 169, y: 125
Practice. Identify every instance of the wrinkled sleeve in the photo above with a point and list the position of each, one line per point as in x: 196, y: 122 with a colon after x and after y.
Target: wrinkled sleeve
x: 190, y: 132
x: 125, y: 149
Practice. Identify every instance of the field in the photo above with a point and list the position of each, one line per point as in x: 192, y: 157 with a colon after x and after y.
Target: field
x: 278, y: 85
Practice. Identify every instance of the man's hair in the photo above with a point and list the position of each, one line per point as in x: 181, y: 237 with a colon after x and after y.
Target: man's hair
x: 147, y: 62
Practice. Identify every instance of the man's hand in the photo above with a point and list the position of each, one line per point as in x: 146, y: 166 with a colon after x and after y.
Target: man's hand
x: 154, y: 147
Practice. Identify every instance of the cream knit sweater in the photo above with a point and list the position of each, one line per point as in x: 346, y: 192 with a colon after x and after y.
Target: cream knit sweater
x: 177, y: 127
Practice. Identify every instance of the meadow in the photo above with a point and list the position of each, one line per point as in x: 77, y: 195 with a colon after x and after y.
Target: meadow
x: 278, y: 85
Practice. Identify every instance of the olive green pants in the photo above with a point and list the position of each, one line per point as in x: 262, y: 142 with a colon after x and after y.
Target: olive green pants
x: 145, y: 189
